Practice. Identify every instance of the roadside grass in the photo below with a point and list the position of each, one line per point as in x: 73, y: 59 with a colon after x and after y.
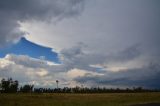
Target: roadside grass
x: 73, y: 99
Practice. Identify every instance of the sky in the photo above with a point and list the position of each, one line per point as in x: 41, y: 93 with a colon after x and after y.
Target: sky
x: 94, y: 43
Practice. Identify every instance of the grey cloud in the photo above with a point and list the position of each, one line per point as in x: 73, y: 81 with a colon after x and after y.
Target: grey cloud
x: 147, y: 76
x: 127, y: 54
x: 21, y: 10
x: 26, y: 61
x: 41, y: 9
x: 76, y: 57
x: 33, y: 69
x: 40, y: 71
x: 29, y: 62
x: 9, y: 30
x: 16, y: 72
x: 107, y: 27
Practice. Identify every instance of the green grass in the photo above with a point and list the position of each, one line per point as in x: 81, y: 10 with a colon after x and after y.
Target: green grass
x: 108, y: 99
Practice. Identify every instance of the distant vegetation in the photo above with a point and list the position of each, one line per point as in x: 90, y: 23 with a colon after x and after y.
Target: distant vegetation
x: 13, y: 95
x: 11, y: 86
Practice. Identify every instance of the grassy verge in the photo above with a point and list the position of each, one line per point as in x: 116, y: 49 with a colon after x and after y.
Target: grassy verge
x: 109, y: 99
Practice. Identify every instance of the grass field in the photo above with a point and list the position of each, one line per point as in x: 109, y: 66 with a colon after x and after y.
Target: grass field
x: 109, y: 99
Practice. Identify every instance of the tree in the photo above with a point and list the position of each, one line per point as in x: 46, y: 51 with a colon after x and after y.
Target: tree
x: 9, y: 85
x: 5, y: 85
x: 14, y: 86
x: 27, y: 88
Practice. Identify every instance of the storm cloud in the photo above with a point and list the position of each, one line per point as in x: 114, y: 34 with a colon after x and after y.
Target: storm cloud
x: 146, y: 76
x: 14, y: 12
x: 100, y: 42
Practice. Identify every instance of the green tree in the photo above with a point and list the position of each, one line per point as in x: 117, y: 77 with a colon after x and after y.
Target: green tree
x: 9, y: 85
x: 27, y: 88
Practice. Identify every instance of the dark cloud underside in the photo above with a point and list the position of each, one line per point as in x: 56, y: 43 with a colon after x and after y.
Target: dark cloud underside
x: 21, y: 10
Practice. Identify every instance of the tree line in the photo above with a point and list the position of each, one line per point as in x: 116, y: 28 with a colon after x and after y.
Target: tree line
x: 12, y: 86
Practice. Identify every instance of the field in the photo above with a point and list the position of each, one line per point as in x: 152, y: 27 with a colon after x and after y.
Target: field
x: 108, y: 99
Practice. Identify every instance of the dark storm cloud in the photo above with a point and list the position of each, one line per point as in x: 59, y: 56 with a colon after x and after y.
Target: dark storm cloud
x: 127, y: 54
x: 9, y: 29
x: 147, y: 76
x: 21, y: 10
x: 75, y: 57
x: 42, y: 8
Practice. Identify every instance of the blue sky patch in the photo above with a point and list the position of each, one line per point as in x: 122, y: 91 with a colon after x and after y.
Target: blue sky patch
x: 25, y: 47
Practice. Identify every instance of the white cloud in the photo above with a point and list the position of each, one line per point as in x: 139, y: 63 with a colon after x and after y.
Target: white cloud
x: 28, y: 70
x: 79, y: 73
x: 42, y: 74
x: 39, y: 72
